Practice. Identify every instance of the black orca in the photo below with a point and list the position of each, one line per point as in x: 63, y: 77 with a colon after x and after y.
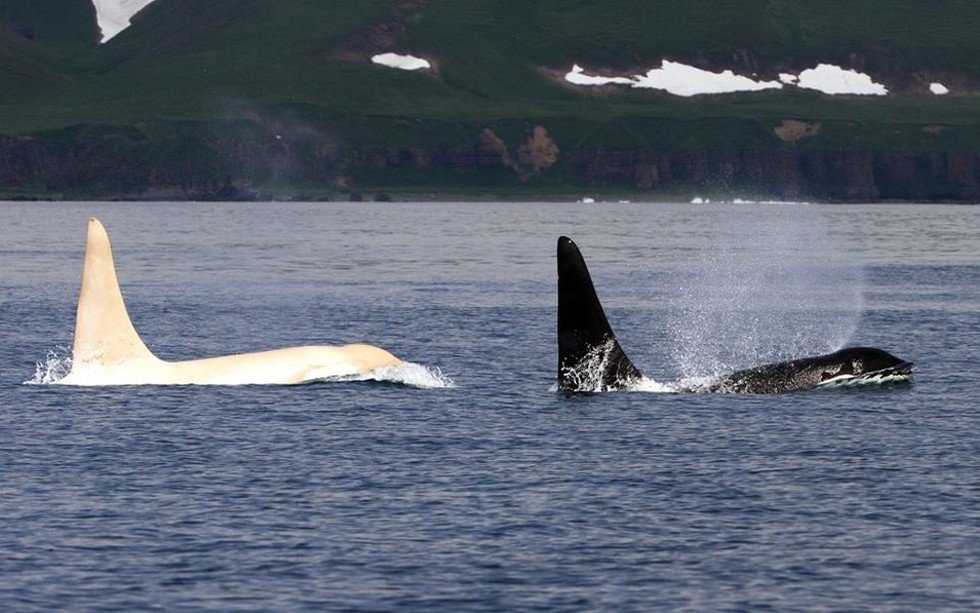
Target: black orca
x: 590, y: 358
x: 847, y: 367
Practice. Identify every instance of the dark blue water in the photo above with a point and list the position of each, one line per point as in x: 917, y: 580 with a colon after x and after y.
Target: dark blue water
x: 496, y: 494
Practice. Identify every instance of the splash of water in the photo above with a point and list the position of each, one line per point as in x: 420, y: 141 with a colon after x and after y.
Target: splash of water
x: 53, y: 368
x: 406, y: 373
x: 769, y: 285
x: 587, y: 375
x: 655, y: 387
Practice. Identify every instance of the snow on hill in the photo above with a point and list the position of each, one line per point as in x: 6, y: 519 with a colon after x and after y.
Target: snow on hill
x: 683, y: 80
x: 114, y: 15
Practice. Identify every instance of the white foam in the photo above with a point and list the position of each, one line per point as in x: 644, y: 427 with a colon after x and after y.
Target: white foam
x: 939, y: 89
x: 55, y: 367
x: 113, y: 15
x: 653, y: 387
x: 835, y: 80
x: 401, y: 62
x: 406, y: 373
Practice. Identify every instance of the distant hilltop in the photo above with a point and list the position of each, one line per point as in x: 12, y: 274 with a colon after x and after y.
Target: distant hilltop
x: 652, y: 99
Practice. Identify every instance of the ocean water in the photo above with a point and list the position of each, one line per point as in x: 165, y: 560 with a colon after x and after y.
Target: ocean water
x: 488, y: 490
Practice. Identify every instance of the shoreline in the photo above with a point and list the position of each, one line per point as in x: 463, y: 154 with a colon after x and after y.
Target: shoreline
x: 454, y: 197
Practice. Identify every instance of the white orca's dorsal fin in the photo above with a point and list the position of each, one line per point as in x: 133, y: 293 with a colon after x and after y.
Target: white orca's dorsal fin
x: 104, y: 333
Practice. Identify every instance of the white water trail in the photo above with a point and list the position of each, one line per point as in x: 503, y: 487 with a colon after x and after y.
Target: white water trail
x: 407, y: 373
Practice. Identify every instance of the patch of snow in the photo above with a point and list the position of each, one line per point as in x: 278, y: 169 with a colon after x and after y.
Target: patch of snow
x: 113, y: 15
x: 578, y: 77
x: 939, y: 89
x: 677, y: 79
x: 587, y: 200
x: 831, y: 79
x: 402, y: 62
x: 683, y: 80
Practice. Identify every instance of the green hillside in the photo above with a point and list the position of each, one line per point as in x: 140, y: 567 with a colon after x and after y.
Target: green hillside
x: 64, y: 26
x: 910, y: 35
x: 37, y: 39
x: 236, y: 69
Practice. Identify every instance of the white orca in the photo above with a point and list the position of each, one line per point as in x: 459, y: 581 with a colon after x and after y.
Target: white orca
x: 107, y: 350
x: 590, y: 358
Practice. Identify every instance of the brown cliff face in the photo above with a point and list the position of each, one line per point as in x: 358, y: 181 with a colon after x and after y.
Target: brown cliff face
x: 844, y: 176
x: 120, y: 166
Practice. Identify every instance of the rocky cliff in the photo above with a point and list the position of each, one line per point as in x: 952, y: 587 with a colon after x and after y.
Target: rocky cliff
x: 197, y: 164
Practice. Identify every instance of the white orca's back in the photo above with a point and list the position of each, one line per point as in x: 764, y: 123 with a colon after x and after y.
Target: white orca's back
x: 108, y: 351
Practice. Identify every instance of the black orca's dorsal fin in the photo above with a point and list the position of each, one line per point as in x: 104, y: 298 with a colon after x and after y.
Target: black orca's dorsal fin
x: 589, y: 356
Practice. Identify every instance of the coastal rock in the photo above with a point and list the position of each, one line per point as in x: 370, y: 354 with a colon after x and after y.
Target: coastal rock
x: 107, y: 163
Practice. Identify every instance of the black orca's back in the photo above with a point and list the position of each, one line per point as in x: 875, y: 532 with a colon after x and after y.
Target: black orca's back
x: 845, y: 367
x: 589, y: 356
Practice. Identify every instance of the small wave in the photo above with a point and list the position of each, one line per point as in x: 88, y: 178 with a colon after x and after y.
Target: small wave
x: 55, y: 366
x: 406, y: 373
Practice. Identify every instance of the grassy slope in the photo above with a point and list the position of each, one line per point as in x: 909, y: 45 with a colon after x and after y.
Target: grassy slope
x: 26, y: 69
x: 917, y: 34
x: 200, y: 60
x: 488, y: 43
x: 66, y: 27
x: 61, y: 30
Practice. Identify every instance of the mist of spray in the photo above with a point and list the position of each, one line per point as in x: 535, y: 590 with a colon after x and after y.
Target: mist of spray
x: 767, y: 285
